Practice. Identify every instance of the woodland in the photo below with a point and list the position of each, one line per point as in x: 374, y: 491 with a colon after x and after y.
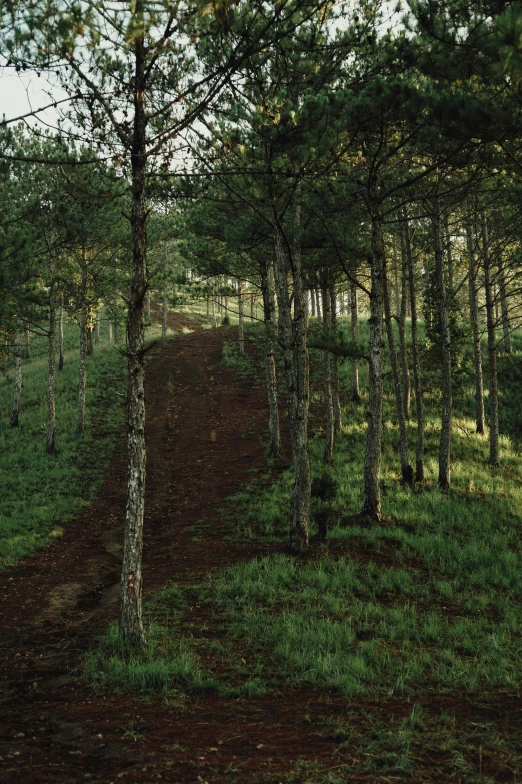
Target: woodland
x: 260, y: 409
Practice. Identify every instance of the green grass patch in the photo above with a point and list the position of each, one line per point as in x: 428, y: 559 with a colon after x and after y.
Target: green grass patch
x: 40, y: 493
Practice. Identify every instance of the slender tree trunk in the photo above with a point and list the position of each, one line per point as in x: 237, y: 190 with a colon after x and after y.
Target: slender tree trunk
x: 207, y: 307
x: 335, y: 367
x: 109, y: 332
x: 396, y: 278
x: 474, y: 318
x: 295, y: 353
x: 50, y: 446
x: 271, y: 372
x: 406, y: 469
x: 241, y: 311
x: 506, y: 324
x: 90, y: 346
x: 164, y: 310
x: 97, y: 328
x: 318, y: 305
x: 214, y: 320
x: 354, y: 320
x: 80, y: 423
x: 312, y: 297
x: 403, y: 345
x: 60, y: 333
x: 17, y: 395
x: 327, y: 377
x: 147, y: 306
x: 372, y: 461
x: 419, y: 407
x: 494, y: 430
x: 131, y: 623
x: 449, y: 256
x: 252, y: 298
x: 27, y: 343
x: 445, y: 433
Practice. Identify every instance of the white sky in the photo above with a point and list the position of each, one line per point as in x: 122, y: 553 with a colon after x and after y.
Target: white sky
x: 23, y: 92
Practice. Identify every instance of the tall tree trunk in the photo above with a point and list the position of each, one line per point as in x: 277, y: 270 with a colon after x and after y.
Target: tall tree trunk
x: 164, y: 311
x: 50, y: 446
x: 506, y: 324
x: 494, y: 447
x: 449, y: 256
x: 445, y: 433
x: 293, y: 334
x: 131, y: 623
x: 318, y: 304
x: 372, y: 461
x: 109, y: 332
x: 403, y: 345
x: 241, y: 311
x: 354, y: 324
x: 312, y: 300
x: 406, y: 469
x: 90, y: 346
x: 396, y: 278
x: 474, y: 318
x: 97, y: 328
x: 327, y: 378
x: 82, y: 386
x: 17, y: 395
x: 271, y: 372
x: 60, y: 333
x: 147, y: 306
x: 28, y: 343
x: 252, y: 301
x: 214, y: 320
x: 334, y: 360
x: 419, y: 407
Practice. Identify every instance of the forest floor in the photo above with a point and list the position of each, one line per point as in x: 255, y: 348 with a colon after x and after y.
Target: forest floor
x: 206, y: 429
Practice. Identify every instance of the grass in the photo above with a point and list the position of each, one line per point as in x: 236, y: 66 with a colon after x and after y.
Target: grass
x: 422, y: 610
x: 40, y: 493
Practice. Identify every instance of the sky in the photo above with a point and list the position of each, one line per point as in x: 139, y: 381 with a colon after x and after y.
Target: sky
x: 21, y: 93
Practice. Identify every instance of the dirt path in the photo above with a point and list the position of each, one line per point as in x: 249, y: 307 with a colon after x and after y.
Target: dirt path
x: 204, y: 432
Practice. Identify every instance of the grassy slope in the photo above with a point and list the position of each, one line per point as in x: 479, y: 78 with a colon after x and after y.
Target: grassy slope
x: 39, y: 493
x: 425, y: 604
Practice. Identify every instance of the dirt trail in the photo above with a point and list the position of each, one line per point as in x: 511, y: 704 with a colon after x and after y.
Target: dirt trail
x: 204, y: 432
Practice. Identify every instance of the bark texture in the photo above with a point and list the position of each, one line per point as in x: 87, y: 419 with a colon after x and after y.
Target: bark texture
x: 406, y: 469
x: 403, y: 345
x: 131, y: 622
x: 327, y: 376
x: 504, y: 310
x: 475, y: 326
x: 50, y: 446
x: 293, y: 332
x: 445, y: 433
x: 82, y: 385
x: 354, y: 326
x: 271, y: 373
x: 334, y: 361
x: 241, y: 311
x: 494, y: 429
x: 372, y: 460
x: 419, y: 406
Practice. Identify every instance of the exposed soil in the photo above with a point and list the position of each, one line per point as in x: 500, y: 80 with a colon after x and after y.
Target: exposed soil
x: 205, y: 431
